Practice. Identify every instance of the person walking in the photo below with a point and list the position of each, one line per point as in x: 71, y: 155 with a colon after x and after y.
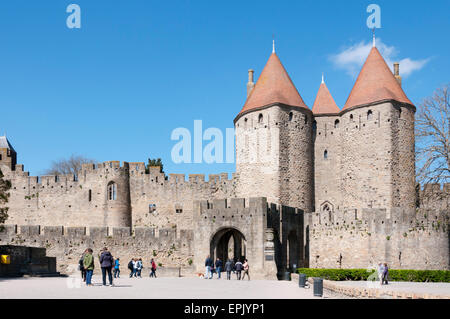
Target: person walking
x: 131, y: 267
x: 117, y: 268
x: 153, y: 270
x: 106, y: 263
x: 139, y: 267
x: 219, y: 265
x: 88, y: 264
x: 208, y: 265
x: 380, y: 273
x: 229, y: 268
x: 385, y: 273
x: 238, y: 267
x: 246, y: 269
x: 81, y: 267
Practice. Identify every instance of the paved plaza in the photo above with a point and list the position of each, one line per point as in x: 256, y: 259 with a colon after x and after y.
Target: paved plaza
x: 172, y: 288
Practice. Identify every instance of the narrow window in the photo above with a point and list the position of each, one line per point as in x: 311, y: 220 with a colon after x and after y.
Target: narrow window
x: 290, y: 116
x: 112, y: 191
x: 325, y: 154
x: 351, y: 117
x: 336, y: 124
x: 90, y: 195
x: 260, y: 118
x: 151, y: 208
x: 369, y: 115
x: 314, y: 126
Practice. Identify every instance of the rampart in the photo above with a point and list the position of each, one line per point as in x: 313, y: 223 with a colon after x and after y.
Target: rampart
x: 405, y: 239
x: 167, y: 246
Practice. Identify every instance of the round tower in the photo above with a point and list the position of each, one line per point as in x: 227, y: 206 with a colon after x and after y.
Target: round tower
x: 116, y: 186
x: 273, y: 141
x: 378, y: 160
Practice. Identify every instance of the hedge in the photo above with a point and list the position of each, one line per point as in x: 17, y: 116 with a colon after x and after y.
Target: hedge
x: 363, y: 274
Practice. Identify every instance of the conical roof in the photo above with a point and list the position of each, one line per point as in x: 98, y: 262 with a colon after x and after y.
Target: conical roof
x: 324, y: 103
x: 375, y: 83
x: 273, y: 86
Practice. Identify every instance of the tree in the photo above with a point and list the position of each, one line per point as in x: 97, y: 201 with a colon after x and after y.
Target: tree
x: 4, y: 187
x: 68, y: 166
x: 154, y: 162
x: 433, y: 138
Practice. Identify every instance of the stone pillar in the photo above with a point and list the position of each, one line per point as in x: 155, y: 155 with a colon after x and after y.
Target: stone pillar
x: 270, y: 267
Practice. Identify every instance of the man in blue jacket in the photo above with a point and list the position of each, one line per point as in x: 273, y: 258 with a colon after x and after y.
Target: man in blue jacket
x: 208, y: 264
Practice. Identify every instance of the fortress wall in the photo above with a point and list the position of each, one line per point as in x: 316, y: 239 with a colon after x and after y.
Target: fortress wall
x: 433, y: 196
x: 407, y: 239
x: 49, y: 200
x: 68, y: 243
x: 327, y: 174
x: 174, y: 197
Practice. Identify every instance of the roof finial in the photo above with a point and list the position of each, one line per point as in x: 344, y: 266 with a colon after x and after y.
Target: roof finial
x: 273, y: 46
x: 322, y: 79
x: 373, y: 36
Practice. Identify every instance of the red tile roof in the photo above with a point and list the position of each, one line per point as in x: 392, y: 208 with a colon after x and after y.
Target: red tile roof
x: 375, y: 83
x: 273, y: 86
x: 324, y: 103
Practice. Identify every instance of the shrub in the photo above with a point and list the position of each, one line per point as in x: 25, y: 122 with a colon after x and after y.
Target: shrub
x: 363, y: 274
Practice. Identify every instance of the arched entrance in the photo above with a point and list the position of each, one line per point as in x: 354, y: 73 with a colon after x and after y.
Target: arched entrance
x: 228, y: 243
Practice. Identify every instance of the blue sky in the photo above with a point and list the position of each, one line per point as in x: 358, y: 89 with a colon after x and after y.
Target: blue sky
x: 116, y: 88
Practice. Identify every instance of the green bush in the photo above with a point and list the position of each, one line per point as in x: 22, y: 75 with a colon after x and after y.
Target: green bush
x: 363, y: 274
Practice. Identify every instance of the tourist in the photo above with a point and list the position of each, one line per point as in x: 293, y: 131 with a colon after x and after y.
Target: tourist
x: 246, y: 268
x: 81, y: 267
x: 131, y: 267
x: 117, y: 268
x: 88, y: 264
x: 153, y: 270
x: 380, y: 273
x: 385, y: 273
x: 238, y: 266
x: 218, y: 267
x: 229, y: 268
x: 208, y: 265
x: 106, y: 263
x: 139, y: 267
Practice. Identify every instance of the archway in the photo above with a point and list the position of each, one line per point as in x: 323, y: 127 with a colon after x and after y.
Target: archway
x: 228, y: 243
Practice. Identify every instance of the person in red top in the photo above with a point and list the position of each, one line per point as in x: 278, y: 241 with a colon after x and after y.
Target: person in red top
x: 153, y: 270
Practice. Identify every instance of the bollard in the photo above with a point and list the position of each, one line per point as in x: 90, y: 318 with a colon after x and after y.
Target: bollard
x: 287, y: 276
x: 301, y: 280
x: 318, y: 287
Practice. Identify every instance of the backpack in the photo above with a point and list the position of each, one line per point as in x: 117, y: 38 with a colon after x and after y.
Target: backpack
x: 130, y: 265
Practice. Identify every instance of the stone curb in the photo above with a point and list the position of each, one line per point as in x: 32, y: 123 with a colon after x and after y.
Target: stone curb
x: 371, y: 293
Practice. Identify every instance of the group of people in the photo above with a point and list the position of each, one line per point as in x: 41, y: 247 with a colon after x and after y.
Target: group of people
x: 135, y: 266
x: 230, y: 267
x: 109, y: 265
x: 383, y: 273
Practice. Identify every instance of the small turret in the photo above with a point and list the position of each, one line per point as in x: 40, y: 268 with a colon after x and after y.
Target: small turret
x: 8, y: 155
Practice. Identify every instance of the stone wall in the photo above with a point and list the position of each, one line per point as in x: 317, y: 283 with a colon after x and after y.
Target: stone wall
x: 68, y: 243
x: 405, y: 238
x: 64, y: 200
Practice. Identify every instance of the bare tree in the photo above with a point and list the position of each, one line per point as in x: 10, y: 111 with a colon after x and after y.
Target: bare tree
x: 68, y: 166
x: 4, y: 187
x: 433, y: 138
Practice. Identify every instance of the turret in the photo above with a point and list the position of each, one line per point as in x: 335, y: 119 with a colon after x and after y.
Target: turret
x: 377, y: 140
x: 273, y: 141
x: 8, y: 155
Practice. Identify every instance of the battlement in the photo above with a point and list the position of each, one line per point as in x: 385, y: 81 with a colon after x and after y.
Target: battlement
x: 231, y: 204
x: 372, y: 216
x: 114, y: 233
x: 433, y: 189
